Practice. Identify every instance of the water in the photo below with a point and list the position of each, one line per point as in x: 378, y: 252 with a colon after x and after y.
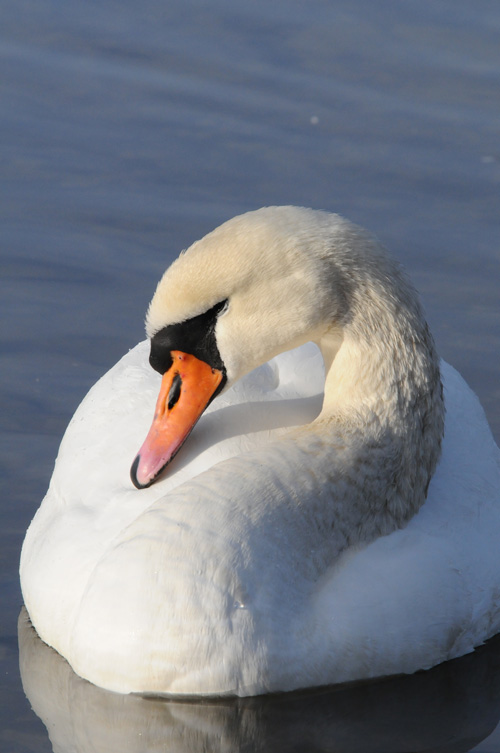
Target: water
x: 127, y: 130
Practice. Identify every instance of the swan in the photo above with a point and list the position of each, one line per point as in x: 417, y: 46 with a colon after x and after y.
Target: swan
x: 325, y: 522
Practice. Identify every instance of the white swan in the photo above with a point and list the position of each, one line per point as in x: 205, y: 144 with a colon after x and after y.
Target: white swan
x: 271, y: 558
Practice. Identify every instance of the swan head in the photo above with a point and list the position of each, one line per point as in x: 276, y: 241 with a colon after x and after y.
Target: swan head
x: 262, y: 283
x: 257, y: 285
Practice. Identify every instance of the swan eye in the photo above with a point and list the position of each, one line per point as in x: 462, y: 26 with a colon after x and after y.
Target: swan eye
x: 225, y: 306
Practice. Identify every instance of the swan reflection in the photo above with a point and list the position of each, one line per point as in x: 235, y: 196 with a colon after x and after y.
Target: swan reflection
x: 450, y: 708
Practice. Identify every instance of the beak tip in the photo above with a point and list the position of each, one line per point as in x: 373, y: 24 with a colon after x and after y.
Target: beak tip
x: 133, y: 475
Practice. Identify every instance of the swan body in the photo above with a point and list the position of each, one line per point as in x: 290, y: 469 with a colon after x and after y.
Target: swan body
x: 316, y: 528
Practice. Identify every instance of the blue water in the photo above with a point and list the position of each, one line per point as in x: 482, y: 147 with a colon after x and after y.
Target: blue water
x: 128, y: 130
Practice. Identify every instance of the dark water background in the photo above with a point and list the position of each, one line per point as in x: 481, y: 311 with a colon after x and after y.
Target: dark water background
x: 128, y: 130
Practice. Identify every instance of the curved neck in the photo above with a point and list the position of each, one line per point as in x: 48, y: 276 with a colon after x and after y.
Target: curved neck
x: 383, y: 409
x: 381, y: 357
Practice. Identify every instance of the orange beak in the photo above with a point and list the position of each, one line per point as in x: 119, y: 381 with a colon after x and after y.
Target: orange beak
x: 186, y: 390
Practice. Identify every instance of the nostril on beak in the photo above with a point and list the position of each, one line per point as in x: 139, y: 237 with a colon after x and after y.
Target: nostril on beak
x: 175, y: 391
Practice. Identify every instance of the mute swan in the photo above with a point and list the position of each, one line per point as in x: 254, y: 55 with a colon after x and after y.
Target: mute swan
x: 288, y: 545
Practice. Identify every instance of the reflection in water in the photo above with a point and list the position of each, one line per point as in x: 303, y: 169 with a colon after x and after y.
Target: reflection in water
x: 450, y: 708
